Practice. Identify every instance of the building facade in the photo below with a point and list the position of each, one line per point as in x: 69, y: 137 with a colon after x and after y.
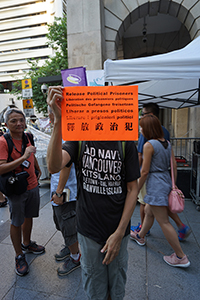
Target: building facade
x: 118, y: 29
x: 23, y: 29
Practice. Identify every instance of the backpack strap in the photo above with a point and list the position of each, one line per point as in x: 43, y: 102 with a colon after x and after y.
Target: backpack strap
x: 81, y: 147
x: 30, y: 136
x: 121, y: 147
x: 10, y: 145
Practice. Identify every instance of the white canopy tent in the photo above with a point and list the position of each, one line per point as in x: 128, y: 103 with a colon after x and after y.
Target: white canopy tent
x: 171, y: 79
x: 176, y: 93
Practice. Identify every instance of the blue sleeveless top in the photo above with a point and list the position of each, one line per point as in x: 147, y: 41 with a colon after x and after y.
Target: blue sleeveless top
x: 158, y: 183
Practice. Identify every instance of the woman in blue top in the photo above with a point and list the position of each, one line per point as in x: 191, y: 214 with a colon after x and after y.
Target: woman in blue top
x: 156, y: 162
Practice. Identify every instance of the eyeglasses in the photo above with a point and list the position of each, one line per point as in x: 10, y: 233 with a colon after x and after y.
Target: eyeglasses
x: 143, y: 114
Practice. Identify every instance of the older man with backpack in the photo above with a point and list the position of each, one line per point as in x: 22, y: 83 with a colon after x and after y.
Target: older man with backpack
x: 19, y: 183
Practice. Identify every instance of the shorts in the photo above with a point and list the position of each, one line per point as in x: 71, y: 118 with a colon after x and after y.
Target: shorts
x: 101, y: 280
x: 141, y: 194
x: 64, y: 217
x: 24, y: 206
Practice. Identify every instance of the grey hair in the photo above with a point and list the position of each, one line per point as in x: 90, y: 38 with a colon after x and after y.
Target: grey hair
x: 10, y: 111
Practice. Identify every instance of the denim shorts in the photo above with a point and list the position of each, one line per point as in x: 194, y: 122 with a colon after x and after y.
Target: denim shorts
x: 65, y: 220
x: 23, y: 206
x: 101, y: 280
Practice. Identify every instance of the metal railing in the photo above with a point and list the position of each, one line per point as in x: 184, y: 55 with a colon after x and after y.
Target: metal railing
x: 184, y: 147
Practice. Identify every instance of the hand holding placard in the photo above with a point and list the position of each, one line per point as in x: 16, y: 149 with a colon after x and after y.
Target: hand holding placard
x: 54, y: 100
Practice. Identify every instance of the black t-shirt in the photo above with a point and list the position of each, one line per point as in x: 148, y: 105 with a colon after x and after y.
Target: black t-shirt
x: 102, y: 186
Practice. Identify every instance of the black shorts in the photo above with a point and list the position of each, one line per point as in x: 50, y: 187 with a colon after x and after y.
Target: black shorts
x: 23, y: 206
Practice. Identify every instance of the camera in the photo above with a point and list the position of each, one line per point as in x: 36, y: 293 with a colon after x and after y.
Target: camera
x: 144, y: 31
x: 144, y: 39
x: 44, y: 88
x: 11, y: 180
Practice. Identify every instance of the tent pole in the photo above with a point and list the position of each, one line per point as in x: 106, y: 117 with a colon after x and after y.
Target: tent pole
x: 199, y: 93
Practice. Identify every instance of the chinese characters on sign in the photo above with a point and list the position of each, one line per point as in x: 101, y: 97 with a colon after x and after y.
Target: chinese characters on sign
x: 100, y: 113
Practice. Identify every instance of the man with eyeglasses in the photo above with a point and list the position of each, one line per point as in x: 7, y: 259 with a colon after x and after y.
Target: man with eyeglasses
x: 23, y: 206
x: 184, y: 231
x: 152, y: 109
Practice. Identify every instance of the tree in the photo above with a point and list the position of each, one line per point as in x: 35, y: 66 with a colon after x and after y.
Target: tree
x: 1, y: 88
x: 57, y: 40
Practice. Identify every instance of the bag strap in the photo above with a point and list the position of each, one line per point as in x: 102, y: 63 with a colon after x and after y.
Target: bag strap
x: 172, y: 169
x: 81, y: 147
x: 30, y: 136
x: 26, y: 137
x: 10, y: 145
x: 121, y: 147
x: 172, y: 172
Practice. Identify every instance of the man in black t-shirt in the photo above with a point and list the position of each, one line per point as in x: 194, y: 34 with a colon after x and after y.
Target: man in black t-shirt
x: 107, y: 195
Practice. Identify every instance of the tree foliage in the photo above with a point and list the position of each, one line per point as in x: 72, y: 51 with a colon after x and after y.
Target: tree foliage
x: 57, y: 40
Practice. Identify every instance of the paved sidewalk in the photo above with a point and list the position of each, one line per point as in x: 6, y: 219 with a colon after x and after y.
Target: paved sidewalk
x: 149, y: 277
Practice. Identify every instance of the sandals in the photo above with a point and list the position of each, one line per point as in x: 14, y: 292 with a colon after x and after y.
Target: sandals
x: 4, y: 203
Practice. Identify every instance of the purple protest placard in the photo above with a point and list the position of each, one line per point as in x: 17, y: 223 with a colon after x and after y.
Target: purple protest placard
x: 74, y: 77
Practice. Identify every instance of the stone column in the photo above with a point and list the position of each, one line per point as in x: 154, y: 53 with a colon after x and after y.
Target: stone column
x: 180, y: 122
x: 85, y: 33
x: 194, y: 124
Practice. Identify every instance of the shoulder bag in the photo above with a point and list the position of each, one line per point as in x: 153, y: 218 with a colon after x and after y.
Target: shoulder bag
x: 11, y: 182
x: 176, y: 199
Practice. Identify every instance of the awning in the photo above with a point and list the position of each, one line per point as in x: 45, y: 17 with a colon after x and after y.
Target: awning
x: 171, y: 79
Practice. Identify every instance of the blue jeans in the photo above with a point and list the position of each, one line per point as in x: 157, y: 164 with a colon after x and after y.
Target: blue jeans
x: 101, y: 280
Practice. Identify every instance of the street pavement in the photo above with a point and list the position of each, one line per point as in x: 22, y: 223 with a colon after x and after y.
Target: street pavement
x: 148, y: 276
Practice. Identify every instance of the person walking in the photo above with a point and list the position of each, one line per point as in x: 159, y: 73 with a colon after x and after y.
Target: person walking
x: 156, y: 161
x: 104, y: 205
x: 184, y: 231
x: 23, y: 207
x: 3, y: 199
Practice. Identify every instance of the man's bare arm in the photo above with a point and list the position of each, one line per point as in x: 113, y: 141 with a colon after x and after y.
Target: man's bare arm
x: 56, y: 157
x: 64, y: 175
